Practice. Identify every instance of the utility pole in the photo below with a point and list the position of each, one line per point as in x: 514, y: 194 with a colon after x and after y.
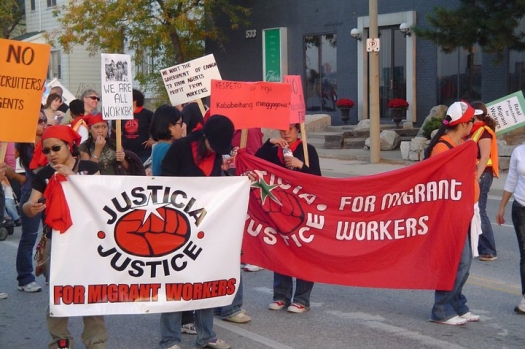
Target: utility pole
x: 375, y: 128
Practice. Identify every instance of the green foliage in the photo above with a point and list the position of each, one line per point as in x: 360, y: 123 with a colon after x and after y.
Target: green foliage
x: 493, y: 24
x: 157, y: 33
x: 12, y: 13
x: 432, y: 124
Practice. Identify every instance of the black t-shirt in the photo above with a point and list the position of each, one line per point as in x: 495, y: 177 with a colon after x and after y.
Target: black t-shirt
x: 85, y: 167
x: 136, y: 131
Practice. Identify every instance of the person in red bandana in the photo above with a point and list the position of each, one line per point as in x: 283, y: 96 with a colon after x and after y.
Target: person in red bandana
x: 275, y: 150
x: 60, y: 146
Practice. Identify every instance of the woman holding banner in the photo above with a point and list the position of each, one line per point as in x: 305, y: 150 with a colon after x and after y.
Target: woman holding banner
x: 450, y: 307
x: 197, y: 155
x: 287, y: 151
x: 60, y: 145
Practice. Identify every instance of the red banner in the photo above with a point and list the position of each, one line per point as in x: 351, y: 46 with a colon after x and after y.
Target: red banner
x: 399, y: 229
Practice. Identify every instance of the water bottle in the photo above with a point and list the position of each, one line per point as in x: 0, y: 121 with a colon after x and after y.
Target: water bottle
x: 287, y: 152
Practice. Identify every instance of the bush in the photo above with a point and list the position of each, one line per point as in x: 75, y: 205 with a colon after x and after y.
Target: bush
x: 432, y: 124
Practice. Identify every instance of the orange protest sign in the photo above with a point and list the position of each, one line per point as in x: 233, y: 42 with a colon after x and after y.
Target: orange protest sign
x: 297, y: 107
x: 252, y: 104
x: 23, y: 68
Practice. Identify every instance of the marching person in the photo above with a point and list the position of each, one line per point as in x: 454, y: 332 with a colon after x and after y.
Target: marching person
x: 515, y: 184
x: 483, y: 133
x: 273, y: 150
x: 450, y: 307
x: 197, y: 155
x: 60, y: 145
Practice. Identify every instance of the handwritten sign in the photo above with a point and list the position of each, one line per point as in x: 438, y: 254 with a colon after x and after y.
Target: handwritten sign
x: 508, y: 112
x: 190, y: 81
x: 252, y: 104
x: 117, y: 97
x: 297, y: 107
x: 67, y: 96
x: 23, y: 68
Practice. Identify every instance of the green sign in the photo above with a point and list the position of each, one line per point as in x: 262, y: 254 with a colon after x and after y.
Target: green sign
x: 508, y: 112
x: 272, y: 55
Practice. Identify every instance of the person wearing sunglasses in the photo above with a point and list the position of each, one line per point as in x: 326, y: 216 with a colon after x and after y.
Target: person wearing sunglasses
x: 32, y: 160
x: 90, y: 98
x: 60, y: 145
x: 450, y: 307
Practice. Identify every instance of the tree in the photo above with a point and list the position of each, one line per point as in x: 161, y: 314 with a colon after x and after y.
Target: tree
x: 12, y: 13
x: 493, y: 24
x: 157, y: 33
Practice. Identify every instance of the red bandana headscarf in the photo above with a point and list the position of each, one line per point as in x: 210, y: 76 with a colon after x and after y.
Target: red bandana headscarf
x: 57, y: 210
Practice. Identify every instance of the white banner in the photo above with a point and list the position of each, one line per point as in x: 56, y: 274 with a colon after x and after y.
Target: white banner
x: 117, y: 97
x: 191, y: 80
x: 148, y: 244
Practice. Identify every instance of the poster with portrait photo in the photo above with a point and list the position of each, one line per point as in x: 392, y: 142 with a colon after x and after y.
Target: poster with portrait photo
x: 117, y: 97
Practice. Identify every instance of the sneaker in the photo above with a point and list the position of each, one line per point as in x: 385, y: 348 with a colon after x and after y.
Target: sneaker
x: 3, y: 295
x: 18, y: 222
x: 188, y: 328
x: 277, y: 305
x: 455, y: 321
x: 470, y: 317
x: 520, y: 308
x: 488, y: 257
x: 218, y: 344
x: 252, y: 268
x: 31, y: 287
x: 174, y: 346
x: 297, y: 308
x: 239, y: 318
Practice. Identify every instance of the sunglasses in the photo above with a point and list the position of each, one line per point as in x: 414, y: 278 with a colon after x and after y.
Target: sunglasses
x: 55, y: 149
x: 472, y: 120
x: 94, y: 98
x: 42, y: 121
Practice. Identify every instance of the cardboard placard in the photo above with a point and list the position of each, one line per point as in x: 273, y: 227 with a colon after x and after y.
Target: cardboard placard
x: 117, y: 97
x: 508, y: 112
x: 23, y: 68
x: 297, y: 107
x: 252, y: 104
x: 191, y: 80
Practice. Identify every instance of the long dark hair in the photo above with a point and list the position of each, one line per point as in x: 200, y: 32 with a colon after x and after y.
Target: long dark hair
x: 25, y: 152
x: 440, y: 132
x: 490, y: 122
x: 163, y: 118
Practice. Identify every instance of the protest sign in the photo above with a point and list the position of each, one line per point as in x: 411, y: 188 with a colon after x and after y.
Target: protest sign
x: 297, y: 107
x: 508, y: 112
x: 252, y: 104
x: 67, y: 96
x: 23, y: 68
x: 399, y: 229
x: 191, y: 80
x: 147, y: 245
x: 117, y: 97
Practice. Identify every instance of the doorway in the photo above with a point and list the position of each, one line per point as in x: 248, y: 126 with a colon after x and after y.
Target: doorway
x: 392, y: 67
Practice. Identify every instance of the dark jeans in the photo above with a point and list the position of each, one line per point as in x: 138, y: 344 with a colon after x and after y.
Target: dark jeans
x: 518, y: 219
x: 283, y: 290
x: 24, y: 256
x: 486, y: 244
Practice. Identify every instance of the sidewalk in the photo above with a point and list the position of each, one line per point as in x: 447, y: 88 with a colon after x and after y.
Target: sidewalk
x: 356, y: 162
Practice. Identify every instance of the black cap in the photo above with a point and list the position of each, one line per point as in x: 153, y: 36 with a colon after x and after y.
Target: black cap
x: 219, y: 130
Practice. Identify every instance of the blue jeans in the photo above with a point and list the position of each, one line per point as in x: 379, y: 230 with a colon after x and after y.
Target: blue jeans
x: 518, y: 219
x: 234, y: 308
x: 486, y: 244
x: 24, y: 255
x: 170, y: 328
x: 448, y: 304
x: 283, y: 289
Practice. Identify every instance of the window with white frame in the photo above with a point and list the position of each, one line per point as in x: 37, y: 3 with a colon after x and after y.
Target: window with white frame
x: 55, y: 66
x: 51, y: 3
x: 33, y: 5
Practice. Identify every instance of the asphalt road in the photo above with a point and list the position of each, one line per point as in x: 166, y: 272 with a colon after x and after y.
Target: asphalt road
x: 340, y: 317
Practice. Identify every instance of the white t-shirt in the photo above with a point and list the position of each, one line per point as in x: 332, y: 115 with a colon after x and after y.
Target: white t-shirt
x: 515, y: 182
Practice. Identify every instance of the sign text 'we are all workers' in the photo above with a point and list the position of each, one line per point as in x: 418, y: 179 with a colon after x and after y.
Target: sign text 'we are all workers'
x: 191, y: 80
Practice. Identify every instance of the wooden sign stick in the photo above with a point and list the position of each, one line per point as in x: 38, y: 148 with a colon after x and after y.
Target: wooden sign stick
x: 119, y: 135
x: 305, y: 146
x: 244, y: 138
x: 201, y: 106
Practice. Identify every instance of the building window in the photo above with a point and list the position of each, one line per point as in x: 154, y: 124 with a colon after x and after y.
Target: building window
x: 51, y: 3
x: 33, y: 6
x: 459, y: 76
x: 55, y: 66
x: 320, y: 66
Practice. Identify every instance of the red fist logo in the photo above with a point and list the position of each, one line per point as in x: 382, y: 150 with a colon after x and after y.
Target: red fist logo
x: 284, y: 217
x: 152, y: 236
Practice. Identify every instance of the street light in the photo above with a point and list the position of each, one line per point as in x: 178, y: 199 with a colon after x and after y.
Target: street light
x: 405, y: 29
x: 356, y: 34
